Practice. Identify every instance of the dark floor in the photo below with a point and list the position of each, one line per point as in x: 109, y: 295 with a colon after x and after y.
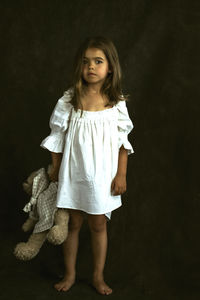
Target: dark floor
x: 35, y: 279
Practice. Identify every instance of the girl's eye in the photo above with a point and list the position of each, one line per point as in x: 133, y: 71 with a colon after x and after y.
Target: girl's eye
x: 98, y: 61
x: 84, y: 62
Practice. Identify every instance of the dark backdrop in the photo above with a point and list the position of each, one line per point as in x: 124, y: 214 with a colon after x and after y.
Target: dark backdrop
x: 154, y: 237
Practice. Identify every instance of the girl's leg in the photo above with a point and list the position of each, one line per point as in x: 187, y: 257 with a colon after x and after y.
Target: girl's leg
x: 98, y: 229
x: 70, y: 248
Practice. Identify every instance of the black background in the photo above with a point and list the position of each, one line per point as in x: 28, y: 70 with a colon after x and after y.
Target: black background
x: 154, y: 237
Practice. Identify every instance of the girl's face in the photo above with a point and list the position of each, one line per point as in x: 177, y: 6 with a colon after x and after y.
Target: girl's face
x: 95, y: 66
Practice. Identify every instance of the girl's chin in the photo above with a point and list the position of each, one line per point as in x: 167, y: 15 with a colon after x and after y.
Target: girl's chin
x: 92, y: 81
x: 91, y: 78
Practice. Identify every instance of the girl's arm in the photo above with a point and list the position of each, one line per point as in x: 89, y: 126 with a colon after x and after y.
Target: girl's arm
x: 56, y: 161
x: 118, y: 185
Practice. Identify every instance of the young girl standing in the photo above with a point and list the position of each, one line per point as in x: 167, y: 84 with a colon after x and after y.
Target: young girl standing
x: 89, y: 149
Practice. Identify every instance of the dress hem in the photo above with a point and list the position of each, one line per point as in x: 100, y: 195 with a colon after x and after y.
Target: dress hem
x: 91, y: 213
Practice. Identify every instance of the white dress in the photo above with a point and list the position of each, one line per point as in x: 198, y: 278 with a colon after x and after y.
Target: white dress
x: 90, y: 145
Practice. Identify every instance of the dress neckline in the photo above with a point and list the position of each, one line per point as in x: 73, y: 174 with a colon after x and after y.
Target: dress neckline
x: 95, y: 111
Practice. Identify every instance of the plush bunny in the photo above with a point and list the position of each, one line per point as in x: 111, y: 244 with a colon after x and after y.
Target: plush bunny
x: 47, y: 221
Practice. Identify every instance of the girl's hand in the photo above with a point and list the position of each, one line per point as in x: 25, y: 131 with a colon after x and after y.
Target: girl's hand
x: 53, y: 175
x: 118, y: 185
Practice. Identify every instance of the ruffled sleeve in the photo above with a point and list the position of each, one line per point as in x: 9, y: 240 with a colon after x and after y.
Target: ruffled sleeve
x: 125, y: 126
x: 58, y: 124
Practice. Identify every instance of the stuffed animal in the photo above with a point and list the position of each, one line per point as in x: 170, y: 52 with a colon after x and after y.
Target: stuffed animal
x: 47, y: 221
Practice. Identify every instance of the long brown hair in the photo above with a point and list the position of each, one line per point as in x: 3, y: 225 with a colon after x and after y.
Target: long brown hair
x: 112, y: 84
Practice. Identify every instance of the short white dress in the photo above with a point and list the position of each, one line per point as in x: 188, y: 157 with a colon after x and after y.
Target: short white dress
x: 90, y: 145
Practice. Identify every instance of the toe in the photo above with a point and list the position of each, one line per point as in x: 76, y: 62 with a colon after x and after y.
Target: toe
x: 108, y: 292
x: 102, y: 291
x: 58, y: 287
x: 102, y: 288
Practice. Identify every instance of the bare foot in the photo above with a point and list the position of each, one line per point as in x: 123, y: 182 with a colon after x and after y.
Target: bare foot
x: 65, y: 284
x: 101, y: 287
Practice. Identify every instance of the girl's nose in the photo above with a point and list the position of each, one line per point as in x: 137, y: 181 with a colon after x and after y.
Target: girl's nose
x: 91, y: 66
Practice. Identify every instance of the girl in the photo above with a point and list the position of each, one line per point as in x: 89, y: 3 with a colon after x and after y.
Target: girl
x: 89, y: 149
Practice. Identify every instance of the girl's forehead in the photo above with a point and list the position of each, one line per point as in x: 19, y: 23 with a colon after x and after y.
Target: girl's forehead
x: 94, y: 52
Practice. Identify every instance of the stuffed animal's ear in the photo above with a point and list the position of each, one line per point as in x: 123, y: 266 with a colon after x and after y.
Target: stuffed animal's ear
x: 27, y: 188
x: 27, y: 185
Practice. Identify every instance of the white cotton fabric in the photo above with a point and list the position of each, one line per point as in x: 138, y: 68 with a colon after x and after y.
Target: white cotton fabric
x: 90, y: 145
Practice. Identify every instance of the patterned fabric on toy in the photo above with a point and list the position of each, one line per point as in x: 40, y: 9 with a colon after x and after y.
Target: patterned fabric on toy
x: 40, y: 183
x: 42, y: 205
x: 46, y: 208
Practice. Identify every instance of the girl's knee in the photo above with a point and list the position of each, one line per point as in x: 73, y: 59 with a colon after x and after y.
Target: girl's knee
x: 75, y: 220
x: 97, y: 223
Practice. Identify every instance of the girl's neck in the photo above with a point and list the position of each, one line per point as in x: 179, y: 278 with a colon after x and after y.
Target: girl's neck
x: 93, y: 90
x: 92, y: 99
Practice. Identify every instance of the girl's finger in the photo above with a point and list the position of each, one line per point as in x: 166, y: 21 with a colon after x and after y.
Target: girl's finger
x: 116, y: 192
